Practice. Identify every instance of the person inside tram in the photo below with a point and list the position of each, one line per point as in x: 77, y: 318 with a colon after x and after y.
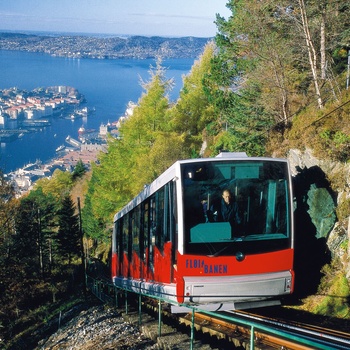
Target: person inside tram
x: 225, y: 210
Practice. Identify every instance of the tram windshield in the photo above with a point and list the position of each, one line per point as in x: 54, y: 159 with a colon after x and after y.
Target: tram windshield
x: 236, y: 205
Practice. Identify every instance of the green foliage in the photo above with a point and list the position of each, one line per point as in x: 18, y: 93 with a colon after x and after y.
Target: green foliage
x: 345, y: 245
x: 29, y: 276
x: 59, y: 185
x: 338, y: 138
x: 79, y: 170
x: 336, y: 291
x: 261, y: 60
x: 32, y: 246
x: 192, y: 112
x: 147, y: 146
x: 8, y: 208
x: 234, y: 85
x: 326, y: 131
x: 343, y: 209
x: 68, y: 235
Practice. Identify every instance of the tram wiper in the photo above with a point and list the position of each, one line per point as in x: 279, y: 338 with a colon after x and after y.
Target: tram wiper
x: 217, y: 253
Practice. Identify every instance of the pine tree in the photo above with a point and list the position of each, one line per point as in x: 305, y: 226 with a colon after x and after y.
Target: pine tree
x: 79, y: 170
x: 68, y: 235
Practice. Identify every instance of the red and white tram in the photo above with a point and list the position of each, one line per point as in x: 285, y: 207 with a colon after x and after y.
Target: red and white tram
x: 167, y: 242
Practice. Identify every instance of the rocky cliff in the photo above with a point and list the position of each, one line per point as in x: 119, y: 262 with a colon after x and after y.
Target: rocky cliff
x: 322, y: 205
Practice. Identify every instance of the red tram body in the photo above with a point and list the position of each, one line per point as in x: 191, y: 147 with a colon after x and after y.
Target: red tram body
x: 168, y: 241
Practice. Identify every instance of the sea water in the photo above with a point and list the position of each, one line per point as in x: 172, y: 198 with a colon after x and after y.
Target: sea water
x: 108, y: 86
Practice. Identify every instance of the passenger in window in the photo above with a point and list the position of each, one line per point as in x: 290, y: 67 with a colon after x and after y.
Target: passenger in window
x: 225, y: 210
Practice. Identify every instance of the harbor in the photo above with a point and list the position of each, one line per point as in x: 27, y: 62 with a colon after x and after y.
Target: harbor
x: 85, y: 147
x: 22, y: 111
x: 66, y: 158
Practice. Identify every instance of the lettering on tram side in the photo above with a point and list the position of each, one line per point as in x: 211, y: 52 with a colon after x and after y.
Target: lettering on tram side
x: 206, y: 268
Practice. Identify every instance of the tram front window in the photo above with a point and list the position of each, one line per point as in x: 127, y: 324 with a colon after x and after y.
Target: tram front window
x: 231, y: 205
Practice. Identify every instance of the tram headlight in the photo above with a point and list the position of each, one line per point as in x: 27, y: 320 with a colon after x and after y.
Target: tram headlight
x: 240, y: 256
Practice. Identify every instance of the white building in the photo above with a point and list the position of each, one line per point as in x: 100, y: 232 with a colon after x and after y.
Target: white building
x: 3, y: 120
x: 31, y: 114
x: 103, y: 130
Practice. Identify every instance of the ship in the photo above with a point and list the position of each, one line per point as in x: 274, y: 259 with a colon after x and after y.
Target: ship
x: 73, y: 142
x: 60, y: 148
x: 82, y: 131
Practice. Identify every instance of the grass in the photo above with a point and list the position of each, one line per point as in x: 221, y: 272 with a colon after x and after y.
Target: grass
x: 333, y: 296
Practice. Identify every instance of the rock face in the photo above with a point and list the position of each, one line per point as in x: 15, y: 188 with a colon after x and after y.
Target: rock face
x: 316, y: 199
x: 321, y: 210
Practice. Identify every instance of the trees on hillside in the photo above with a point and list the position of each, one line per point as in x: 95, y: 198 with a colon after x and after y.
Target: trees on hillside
x: 275, y: 58
x: 271, y: 59
x: 35, y: 225
x: 39, y: 237
x: 192, y: 113
x: 135, y: 158
x: 59, y: 185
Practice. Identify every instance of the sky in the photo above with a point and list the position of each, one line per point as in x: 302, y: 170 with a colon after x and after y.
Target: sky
x: 121, y: 17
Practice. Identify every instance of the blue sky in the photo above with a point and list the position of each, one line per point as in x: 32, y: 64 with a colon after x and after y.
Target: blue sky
x: 135, y: 17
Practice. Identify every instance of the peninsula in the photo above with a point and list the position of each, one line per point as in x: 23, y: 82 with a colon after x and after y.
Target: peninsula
x: 85, y: 46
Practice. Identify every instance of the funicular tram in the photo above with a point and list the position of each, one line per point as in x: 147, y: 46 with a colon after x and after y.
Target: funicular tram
x: 171, y: 241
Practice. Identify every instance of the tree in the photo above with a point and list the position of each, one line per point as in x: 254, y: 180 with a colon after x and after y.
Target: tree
x: 231, y: 89
x: 8, y: 207
x: 59, y: 185
x: 123, y: 169
x: 79, y: 170
x: 35, y: 225
x: 316, y: 30
x: 192, y: 111
x: 68, y: 235
x: 274, y: 58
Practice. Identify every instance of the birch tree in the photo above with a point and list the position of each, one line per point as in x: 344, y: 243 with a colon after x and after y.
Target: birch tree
x: 311, y: 51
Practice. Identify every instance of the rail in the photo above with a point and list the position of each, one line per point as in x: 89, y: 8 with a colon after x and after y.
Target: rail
x: 107, y: 292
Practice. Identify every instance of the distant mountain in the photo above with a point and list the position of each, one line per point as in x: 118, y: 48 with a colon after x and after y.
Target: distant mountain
x: 83, y: 46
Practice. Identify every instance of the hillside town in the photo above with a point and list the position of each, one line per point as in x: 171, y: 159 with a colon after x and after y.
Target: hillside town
x: 24, y: 111
x: 21, y: 110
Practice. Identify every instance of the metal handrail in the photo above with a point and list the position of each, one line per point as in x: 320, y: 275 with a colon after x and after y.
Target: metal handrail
x: 96, y: 286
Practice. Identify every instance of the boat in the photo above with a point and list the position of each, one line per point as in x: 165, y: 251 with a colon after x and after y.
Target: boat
x: 81, y: 130
x: 85, y: 132
x: 60, y: 148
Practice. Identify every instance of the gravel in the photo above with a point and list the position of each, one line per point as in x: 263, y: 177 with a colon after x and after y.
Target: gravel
x: 101, y: 327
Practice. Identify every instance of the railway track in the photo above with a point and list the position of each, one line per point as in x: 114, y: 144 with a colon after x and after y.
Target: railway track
x: 268, y: 333
x: 244, y: 330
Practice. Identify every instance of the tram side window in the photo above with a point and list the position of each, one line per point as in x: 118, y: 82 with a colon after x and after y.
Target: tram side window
x: 160, y: 239
x: 152, y: 226
x: 280, y: 208
x: 156, y: 218
x: 145, y: 230
x: 118, y: 243
x: 135, y: 227
x: 170, y: 213
x: 126, y: 237
x: 162, y: 216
